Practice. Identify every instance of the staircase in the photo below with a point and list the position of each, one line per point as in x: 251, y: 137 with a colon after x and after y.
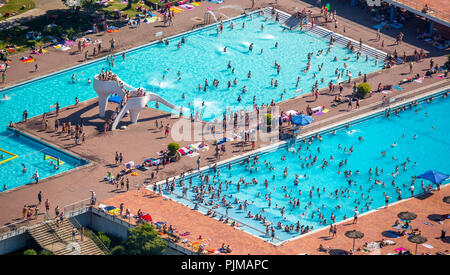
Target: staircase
x: 58, y: 239
x: 293, y: 22
x: 286, y: 18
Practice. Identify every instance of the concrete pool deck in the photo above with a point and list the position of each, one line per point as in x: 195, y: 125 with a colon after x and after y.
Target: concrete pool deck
x: 100, y: 148
x: 372, y: 224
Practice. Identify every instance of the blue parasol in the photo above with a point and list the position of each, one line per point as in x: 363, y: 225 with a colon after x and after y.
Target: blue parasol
x: 434, y: 176
x: 302, y: 120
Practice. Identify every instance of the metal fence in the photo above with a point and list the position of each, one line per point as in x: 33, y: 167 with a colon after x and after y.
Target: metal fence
x: 76, y: 207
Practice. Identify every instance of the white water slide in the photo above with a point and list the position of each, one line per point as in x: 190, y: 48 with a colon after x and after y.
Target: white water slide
x: 137, y: 100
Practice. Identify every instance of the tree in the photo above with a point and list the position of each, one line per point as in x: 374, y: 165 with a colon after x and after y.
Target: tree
x: 144, y: 240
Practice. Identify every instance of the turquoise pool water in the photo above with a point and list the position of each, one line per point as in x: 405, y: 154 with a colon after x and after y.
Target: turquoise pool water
x: 429, y: 150
x: 31, y: 154
x: 199, y: 58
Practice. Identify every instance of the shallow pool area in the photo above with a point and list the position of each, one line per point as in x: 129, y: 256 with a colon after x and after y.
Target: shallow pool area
x: 34, y: 156
x: 414, y: 141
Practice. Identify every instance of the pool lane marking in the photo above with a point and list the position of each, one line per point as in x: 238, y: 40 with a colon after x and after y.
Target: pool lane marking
x: 9, y: 153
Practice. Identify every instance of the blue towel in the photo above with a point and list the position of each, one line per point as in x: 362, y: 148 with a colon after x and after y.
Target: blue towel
x: 396, y: 25
x: 398, y: 88
x: 115, y: 99
x: 391, y: 234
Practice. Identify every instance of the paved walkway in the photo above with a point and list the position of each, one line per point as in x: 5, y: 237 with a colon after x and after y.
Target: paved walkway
x: 42, y: 6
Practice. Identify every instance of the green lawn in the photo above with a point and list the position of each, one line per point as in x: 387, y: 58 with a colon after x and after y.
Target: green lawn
x: 122, y: 7
x: 15, y: 6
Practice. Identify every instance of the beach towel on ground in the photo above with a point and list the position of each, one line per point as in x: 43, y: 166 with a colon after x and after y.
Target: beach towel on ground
x: 187, y: 6
x: 419, y: 80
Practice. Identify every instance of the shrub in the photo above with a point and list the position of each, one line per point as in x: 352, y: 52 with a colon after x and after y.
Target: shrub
x: 105, y: 239
x: 118, y: 250
x: 173, y: 148
x: 45, y: 252
x: 29, y: 252
x: 363, y: 90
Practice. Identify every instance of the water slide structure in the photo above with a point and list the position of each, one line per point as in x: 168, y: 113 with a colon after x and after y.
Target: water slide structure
x: 133, y: 99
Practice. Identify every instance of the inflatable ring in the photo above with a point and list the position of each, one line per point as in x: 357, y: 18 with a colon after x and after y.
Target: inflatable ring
x: 134, y: 174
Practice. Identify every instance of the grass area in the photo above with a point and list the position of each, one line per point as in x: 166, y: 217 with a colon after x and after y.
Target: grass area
x: 117, y: 5
x: 164, y: 2
x: 67, y: 23
x: 19, y: 6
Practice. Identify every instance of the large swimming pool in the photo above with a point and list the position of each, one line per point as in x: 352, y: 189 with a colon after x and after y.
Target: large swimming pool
x: 415, y: 141
x: 155, y: 67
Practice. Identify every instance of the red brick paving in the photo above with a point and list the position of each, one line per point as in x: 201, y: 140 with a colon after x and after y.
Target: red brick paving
x: 372, y: 225
x: 440, y: 6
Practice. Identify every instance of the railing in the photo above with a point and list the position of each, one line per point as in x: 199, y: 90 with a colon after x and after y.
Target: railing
x: 52, y: 231
x: 78, y: 207
x: 93, y: 236
x: 112, y: 218
x: 12, y: 229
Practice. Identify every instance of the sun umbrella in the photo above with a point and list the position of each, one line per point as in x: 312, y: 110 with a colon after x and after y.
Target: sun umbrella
x: 409, y: 216
x: 302, y: 120
x: 146, y: 217
x: 446, y: 199
x: 434, y: 176
x: 417, y: 239
x: 353, y: 234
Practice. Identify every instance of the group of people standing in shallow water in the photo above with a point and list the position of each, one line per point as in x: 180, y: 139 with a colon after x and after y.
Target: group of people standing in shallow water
x: 310, y: 202
x: 342, y: 71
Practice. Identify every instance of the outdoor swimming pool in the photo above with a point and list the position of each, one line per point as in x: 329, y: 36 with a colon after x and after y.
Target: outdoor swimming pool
x: 199, y: 58
x: 30, y: 153
x: 429, y: 150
